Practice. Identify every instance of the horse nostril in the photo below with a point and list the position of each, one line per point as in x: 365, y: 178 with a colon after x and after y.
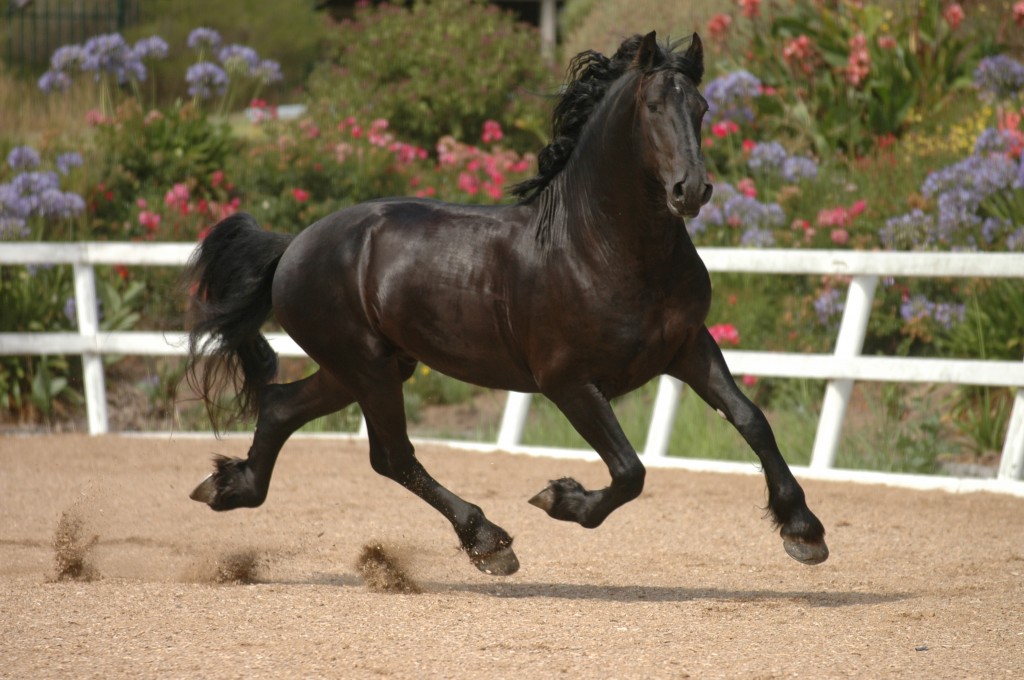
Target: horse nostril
x: 677, y: 190
x: 706, y: 196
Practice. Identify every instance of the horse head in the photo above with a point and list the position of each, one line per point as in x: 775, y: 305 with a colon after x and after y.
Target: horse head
x: 670, y: 111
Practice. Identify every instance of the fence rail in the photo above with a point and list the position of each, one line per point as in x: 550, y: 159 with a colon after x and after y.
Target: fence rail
x: 841, y: 368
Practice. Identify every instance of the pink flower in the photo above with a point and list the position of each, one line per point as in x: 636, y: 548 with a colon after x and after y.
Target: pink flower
x: 749, y: 380
x: 724, y: 128
x: 150, y: 220
x: 1018, y: 13
x: 468, y: 183
x: 142, y: 204
x: 748, y: 146
x: 177, y: 198
x: 954, y: 14
x: 747, y: 187
x: 858, y: 207
x: 300, y: 195
x: 725, y: 333
x: 886, y: 42
x: 750, y: 8
x: 719, y: 24
x: 492, y: 132
x: 94, y: 117
x: 217, y: 178
x: 493, y: 190
x: 840, y: 237
x: 858, y: 64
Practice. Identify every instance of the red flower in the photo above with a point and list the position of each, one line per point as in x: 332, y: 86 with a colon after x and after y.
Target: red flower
x: 492, y: 132
x: 954, y: 14
x: 300, y: 195
x: 718, y: 25
x: 750, y: 8
x: 725, y: 333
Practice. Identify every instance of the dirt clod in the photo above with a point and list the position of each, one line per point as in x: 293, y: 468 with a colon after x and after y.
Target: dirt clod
x: 72, y: 549
x: 382, y: 573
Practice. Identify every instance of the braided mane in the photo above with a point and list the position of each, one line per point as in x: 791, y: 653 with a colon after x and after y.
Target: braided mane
x: 590, y: 75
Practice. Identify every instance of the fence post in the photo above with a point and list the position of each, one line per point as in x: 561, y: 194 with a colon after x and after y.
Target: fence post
x: 86, y: 308
x: 665, y: 406
x: 1011, y: 464
x: 849, y: 343
x: 513, y: 419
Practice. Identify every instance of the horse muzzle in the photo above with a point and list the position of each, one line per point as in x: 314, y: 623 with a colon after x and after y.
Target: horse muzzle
x: 687, y: 198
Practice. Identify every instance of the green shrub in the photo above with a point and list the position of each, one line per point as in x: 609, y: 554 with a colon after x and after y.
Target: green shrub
x: 439, y: 68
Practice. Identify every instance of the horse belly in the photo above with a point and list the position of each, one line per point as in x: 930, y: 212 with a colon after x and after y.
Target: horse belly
x: 461, y: 333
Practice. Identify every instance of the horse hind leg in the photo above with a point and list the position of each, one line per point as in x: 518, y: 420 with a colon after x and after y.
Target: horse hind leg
x: 243, y: 483
x: 488, y: 546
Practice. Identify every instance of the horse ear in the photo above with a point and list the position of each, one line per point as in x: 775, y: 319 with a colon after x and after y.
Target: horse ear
x: 649, y: 55
x: 695, y: 55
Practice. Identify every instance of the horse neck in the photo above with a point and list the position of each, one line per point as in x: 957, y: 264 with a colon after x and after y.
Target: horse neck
x: 606, y: 199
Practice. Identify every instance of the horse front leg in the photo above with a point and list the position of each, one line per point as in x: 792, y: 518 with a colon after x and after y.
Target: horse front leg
x: 590, y: 413
x: 243, y: 483
x: 704, y: 369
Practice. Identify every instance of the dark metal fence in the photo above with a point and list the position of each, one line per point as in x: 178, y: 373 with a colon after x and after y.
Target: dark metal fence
x: 33, y: 29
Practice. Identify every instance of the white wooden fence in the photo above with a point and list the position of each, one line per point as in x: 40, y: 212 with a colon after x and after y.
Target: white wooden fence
x: 840, y: 368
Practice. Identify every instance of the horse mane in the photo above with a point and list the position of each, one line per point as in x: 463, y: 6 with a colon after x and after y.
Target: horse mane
x: 589, y: 77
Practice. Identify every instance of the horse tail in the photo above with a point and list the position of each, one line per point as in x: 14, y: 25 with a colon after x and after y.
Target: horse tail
x: 229, y: 281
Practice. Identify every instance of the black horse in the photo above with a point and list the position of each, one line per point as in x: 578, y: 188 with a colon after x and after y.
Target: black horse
x: 584, y: 290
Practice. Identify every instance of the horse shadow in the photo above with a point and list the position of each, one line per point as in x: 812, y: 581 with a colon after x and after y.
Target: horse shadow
x: 636, y: 593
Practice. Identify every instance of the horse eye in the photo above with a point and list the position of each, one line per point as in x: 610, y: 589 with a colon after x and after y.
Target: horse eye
x: 653, y: 108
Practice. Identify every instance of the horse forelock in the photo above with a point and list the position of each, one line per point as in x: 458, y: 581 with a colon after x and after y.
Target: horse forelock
x: 590, y: 76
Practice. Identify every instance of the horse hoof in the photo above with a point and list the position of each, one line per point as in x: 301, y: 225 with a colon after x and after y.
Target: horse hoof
x: 501, y: 563
x: 206, y: 492
x: 545, y: 500
x: 807, y: 553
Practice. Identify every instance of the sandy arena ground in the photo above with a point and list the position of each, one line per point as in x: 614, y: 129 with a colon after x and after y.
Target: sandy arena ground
x: 688, y: 581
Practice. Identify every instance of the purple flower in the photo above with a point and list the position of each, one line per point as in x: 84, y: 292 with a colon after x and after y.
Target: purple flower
x: 13, y: 204
x: 993, y: 140
x: 797, y: 168
x: 68, y: 160
x: 906, y: 232
x: 153, y: 47
x: 68, y: 59
x: 203, y: 39
x: 239, y: 59
x: 767, y: 158
x: 1015, y: 241
x: 919, y: 308
x: 206, y: 79
x: 756, y: 237
x: 267, y: 71
x: 71, y: 310
x: 54, y: 203
x: 110, y: 53
x: 13, y: 228
x: 828, y: 305
x: 999, y: 78
x: 23, y: 157
x: 54, y: 81
x: 729, y: 96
